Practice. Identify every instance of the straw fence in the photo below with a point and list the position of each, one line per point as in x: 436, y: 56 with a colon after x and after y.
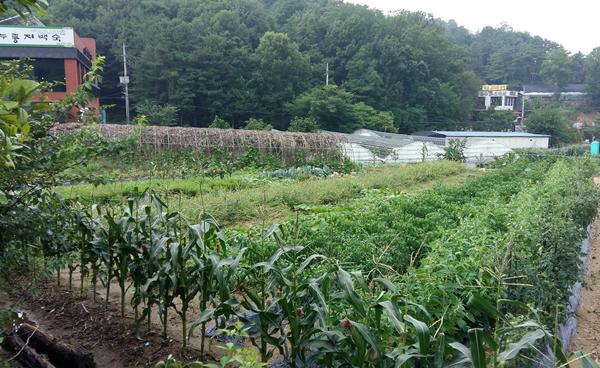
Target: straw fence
x: 284, y: 145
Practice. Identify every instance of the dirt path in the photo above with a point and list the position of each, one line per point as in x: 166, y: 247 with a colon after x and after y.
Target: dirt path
x: 78, y: 321
x: 587, y: 336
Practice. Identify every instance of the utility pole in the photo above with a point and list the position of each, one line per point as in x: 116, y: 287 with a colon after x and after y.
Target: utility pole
x: 327, y: 74
x: 523, y: 108
x: 125, y: 81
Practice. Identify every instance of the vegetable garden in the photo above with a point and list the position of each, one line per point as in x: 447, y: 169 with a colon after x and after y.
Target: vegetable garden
x: 471, y: 274
x: 278, y: 247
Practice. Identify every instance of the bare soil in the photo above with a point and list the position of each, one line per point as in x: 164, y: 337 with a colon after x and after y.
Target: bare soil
x: 587, y: 336
x: 79, y: 321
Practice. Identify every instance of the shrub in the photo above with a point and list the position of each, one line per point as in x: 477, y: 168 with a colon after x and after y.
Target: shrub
x: 455, y: 150
x: 305, y: 124
x: 219, y: 123
x: 257, y: 124
x: 158, y: 114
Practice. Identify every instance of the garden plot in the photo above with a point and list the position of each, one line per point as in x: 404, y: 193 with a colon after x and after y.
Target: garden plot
x: 340, y: 282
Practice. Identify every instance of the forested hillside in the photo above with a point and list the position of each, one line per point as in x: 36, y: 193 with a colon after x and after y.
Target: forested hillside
x: 192, y: 60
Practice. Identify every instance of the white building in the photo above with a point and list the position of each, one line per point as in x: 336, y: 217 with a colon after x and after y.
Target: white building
x: 483, y: 151
x: 507, y: 139
x: 498, y: 97
x: 574, y: 94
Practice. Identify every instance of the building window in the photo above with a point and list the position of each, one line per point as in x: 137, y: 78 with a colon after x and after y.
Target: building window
x: 50, y: 70
x: 47, y: 70
x: 82, y: 72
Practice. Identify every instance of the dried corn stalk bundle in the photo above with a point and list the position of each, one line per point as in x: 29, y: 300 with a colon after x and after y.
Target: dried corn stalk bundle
x: 284, y: 145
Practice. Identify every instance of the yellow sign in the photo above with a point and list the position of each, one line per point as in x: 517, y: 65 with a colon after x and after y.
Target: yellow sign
x: 494, y: 87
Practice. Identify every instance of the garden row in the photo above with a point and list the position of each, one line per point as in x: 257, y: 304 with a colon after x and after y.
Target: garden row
x: 385, y: 233
x: 526, y: 251
x: 463, y: 265
x: 253, y: 197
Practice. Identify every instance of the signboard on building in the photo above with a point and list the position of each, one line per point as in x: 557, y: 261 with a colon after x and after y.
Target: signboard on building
x: 498, y: 93
x: 494, y: 87
x: 37, y: 37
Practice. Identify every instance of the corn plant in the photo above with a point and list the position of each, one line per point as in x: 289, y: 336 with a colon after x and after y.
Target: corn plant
x: 185, y: 276
x: 164, y: 283
x: 215, y: 274
x: 105, y: 242
x: 95, y: 249
x: 153, y: 248
x: 150, y: 291
x: 54, y: 239
x: 85, y: 231
x: 258, y: 297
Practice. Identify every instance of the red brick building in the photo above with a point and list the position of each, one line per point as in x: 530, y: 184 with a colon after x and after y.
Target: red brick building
x: 57, y: 54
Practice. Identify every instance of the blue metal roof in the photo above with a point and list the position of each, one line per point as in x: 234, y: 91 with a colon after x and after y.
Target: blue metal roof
x: 488, y: 134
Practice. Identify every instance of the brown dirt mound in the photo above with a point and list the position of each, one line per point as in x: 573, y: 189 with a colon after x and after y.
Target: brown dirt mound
x: 80, y: 322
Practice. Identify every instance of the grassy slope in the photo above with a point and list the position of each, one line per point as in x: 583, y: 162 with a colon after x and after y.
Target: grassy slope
x: 248, y: 199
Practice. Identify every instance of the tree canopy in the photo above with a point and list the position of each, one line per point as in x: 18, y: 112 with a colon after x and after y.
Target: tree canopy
x: 554, y: 121
x: 592, y: 77
x: 242, y: 59
x: 556, y: 69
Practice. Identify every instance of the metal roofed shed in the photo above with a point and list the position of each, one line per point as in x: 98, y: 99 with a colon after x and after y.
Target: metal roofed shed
x: 547, y: 89
x: 414, y: 152
x: 573, y: 94
x: 507, y: 139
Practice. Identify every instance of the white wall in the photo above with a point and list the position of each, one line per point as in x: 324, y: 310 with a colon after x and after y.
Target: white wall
x: 514, y: 142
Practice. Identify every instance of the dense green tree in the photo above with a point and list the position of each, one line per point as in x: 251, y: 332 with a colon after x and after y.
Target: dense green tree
x: 282, y: 74
x: 554, y: 121
x: 252, y: 58
x: 157, y: 114
x: 410, y: 119
x: 257, y: 124
x: 495, y: 121
x: 592, y: 77
x: 305, y: 125
x: 556, y: 68
x: 331, y: 106
x: 335, y: 109
x: 501, y: 55
x: 245, y: 58
x: 578, y: 68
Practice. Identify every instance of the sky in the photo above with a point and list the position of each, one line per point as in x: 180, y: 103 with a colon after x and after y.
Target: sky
x: 575, y: 24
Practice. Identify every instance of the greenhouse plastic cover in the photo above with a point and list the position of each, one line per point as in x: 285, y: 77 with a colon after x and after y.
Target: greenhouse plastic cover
x: 415, y: 152
x: 358, y: 153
